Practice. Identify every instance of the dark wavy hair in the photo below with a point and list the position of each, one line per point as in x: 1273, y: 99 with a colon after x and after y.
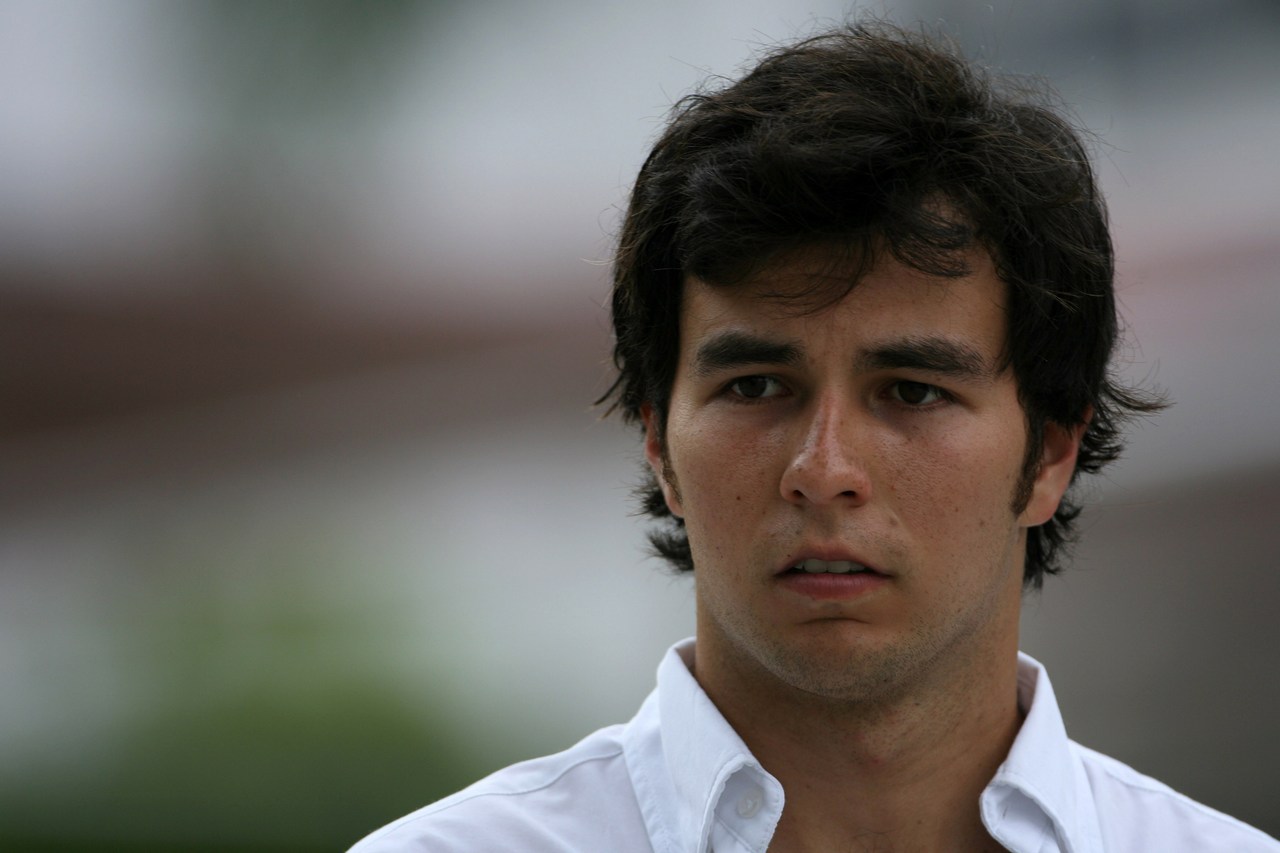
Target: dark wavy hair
x: 879, y: 140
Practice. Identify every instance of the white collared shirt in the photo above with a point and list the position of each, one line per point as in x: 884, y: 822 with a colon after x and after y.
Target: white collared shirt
x: 678, y: 779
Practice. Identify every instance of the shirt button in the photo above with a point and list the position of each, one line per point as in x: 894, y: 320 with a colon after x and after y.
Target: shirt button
x: 750, y: 803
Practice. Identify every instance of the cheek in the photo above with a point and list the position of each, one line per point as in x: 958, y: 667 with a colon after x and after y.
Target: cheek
x: 727, y: 479
x: 957, y: 479
x: 720, y: 486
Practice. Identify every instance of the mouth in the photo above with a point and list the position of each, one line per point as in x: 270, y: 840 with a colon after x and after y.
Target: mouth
x: 813, y: 566
x: 827, y: 581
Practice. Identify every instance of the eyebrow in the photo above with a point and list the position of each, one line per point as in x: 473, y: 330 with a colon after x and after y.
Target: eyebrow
x: 931, y: 354
x: 728, y: 350
x: 733, y: 349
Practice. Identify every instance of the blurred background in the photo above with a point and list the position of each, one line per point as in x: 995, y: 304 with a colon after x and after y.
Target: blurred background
x: 305, y: 516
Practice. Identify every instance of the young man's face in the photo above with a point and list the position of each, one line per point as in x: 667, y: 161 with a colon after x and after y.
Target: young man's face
x: 877, y: 434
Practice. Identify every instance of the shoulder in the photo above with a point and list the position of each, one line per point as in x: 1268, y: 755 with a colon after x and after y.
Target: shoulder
x: 579, y: 799
x: 1136, y: 812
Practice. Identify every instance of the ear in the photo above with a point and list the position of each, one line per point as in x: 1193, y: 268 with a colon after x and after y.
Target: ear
x: 1057, y: 464
x: 655, y: 454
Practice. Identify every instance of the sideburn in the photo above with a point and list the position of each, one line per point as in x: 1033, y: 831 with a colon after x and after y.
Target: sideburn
x: 1031, y: 462
x: 669, y: 473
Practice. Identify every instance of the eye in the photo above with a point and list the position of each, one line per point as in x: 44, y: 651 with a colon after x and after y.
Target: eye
x: 916, y: 393
x: 756, y: 387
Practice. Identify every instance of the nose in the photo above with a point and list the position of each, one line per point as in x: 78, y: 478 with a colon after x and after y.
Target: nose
x: 829, y: 465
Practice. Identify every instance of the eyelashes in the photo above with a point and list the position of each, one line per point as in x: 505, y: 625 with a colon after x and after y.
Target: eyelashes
x: 917, y: 394
x: 762, y: 387
x: 756, y: 387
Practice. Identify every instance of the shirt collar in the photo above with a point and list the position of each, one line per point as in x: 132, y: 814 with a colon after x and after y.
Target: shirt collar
x: 1040, y: 794
x: 719, y: 785
x: 1038, y: 800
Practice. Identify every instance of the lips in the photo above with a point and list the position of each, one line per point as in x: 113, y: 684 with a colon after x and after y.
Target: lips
x: 836, y: 576
x: 843, y: 564
x: 815, y: 566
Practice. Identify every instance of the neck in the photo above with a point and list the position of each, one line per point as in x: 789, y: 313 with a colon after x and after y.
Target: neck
x: 902, y: 773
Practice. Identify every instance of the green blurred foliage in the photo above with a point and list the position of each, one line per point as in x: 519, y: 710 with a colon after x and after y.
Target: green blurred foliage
x: 282, y: 771
x: 262, y: 710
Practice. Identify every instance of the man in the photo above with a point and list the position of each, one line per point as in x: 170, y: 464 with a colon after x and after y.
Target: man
x: 864, y: 312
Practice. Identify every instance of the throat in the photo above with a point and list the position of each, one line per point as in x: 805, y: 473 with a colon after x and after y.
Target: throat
x: 907, y: 774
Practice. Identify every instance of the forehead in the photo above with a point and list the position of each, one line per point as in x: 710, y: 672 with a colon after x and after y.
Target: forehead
x: 812, y: 297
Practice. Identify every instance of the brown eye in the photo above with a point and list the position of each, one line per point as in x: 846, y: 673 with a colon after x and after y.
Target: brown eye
x: 916, y: 393
x: 754, y: 387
